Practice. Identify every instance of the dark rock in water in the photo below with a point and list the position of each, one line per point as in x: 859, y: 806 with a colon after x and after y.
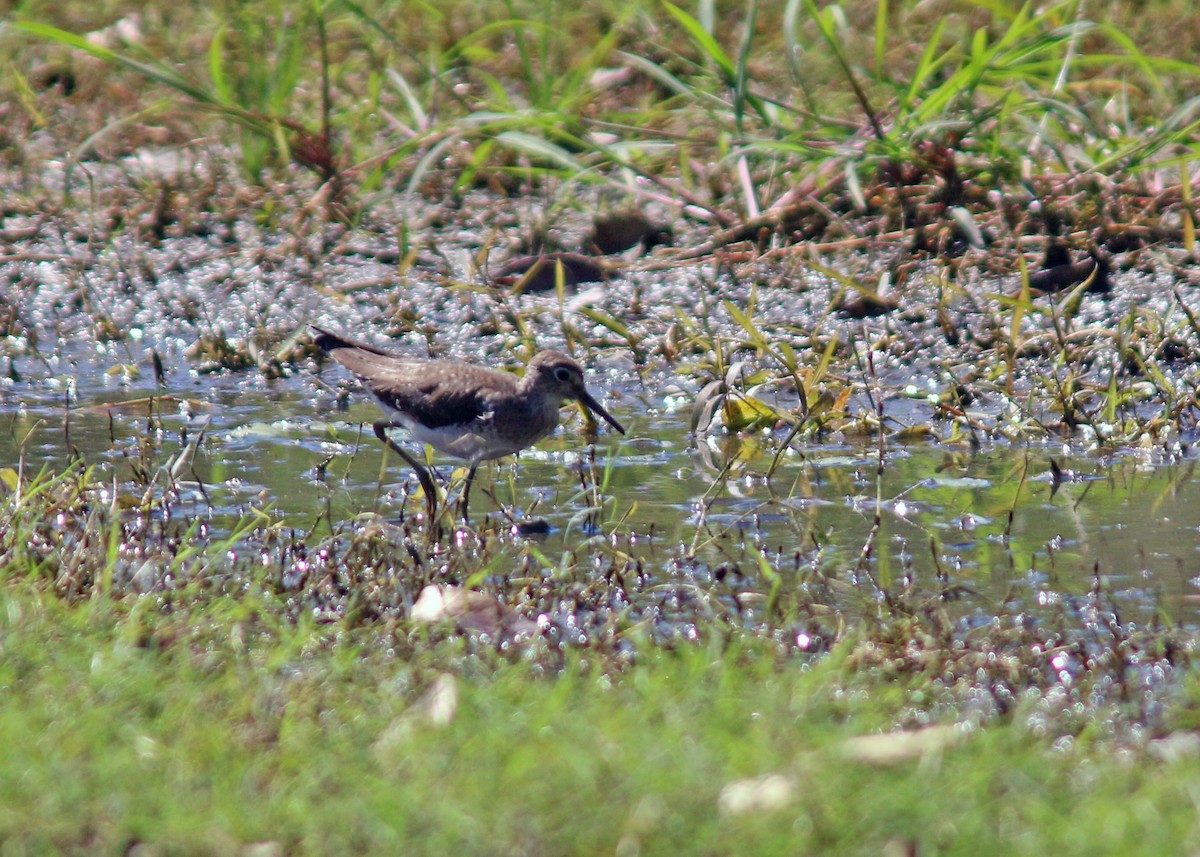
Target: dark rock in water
x: 863, y: 305
x: 1059, y: 272
x: 531, y: 527
x: 616, y: 232
x: 540, y: 273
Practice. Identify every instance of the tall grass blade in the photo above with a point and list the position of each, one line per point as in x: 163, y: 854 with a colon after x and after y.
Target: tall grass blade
x: 704, y: 40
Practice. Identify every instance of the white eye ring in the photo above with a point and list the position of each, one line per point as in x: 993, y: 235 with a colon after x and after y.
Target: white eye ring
x: 562, y: 373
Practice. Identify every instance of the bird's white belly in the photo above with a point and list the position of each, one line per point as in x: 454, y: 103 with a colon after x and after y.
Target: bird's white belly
x: 463, y: 441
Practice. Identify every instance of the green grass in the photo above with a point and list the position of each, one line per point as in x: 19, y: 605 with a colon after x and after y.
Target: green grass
x: 199, y: 733
x: 727, y: 108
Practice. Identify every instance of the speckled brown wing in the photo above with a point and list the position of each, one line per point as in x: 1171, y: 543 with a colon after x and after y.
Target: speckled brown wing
x: 429, y: 398
x: 433, y: 393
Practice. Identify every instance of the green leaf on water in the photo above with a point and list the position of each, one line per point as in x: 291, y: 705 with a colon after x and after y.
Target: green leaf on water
x: 610, y: 323
x: 747, y: 412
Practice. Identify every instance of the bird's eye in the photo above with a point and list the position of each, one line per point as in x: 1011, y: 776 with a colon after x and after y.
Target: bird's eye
x: 562, y: 373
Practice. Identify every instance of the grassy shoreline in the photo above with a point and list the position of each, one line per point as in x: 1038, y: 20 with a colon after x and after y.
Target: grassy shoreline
x: 315, y: 745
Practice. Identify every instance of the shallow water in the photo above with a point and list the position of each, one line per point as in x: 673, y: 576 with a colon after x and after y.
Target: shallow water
x: 985, y: 531
x: 991, y: 528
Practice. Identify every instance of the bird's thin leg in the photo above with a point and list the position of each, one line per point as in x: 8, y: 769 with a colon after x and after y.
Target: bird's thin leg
x: 427, y: 483
x: 466, y: 494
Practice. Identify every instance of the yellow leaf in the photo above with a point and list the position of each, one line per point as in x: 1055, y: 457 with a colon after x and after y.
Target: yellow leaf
x: 746, y: 412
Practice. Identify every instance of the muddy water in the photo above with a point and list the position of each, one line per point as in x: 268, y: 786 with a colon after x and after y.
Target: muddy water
x: 994, y: 527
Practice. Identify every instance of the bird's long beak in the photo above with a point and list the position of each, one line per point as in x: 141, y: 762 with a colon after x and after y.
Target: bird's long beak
x: 596, y: 408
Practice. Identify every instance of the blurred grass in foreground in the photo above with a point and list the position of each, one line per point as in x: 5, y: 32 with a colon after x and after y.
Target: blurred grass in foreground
x: 206, y: 733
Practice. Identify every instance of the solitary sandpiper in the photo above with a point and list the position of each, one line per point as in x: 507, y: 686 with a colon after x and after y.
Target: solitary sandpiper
x: 463, y: 410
